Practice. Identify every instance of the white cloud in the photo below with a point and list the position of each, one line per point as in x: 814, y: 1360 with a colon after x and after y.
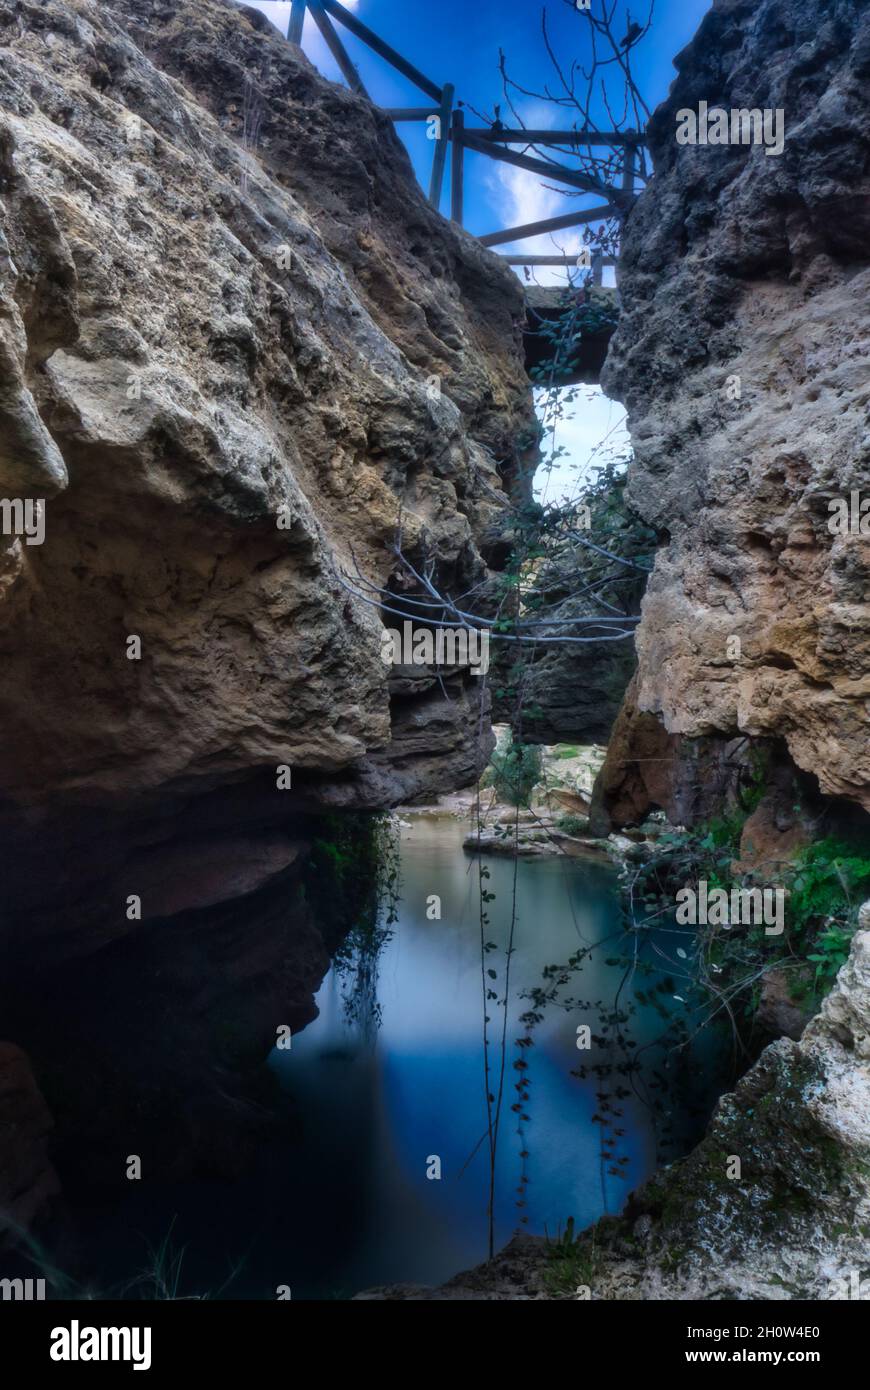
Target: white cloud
x: 518, y: 196
x: 592, y: 431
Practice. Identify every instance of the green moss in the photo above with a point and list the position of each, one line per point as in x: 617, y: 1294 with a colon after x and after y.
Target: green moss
x: 350, y: 871
x: 567, y: 1269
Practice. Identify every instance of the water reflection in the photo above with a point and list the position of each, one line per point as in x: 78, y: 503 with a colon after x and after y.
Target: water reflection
x: 391, y: 1102
x: 319, y: 1180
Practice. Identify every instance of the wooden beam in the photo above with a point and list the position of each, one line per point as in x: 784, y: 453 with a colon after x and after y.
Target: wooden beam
x: 408, y: 113
x: 440, y: 156
x: 550, y: 260
x: 557, y: 137
x: 550, y: 224
x: 457, y: 167
x: 368, y: 36
x: 297, y: 22
x: 541, y: 166
x: 336, y: 47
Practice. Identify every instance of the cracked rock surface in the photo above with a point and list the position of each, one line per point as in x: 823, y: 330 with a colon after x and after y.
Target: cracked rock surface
x: 224, y: 300
x: 742, y: 358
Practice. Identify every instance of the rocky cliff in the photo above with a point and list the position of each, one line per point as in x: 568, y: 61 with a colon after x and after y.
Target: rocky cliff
x: 238, y: 345
x: 742, y: 358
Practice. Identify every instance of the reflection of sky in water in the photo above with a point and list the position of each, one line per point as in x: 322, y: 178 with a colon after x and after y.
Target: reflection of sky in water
x: 417, y: 1090
x: 337, y: 1199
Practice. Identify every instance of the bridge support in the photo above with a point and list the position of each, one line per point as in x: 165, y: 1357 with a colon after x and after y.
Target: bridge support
x: 457, y: 167
x: 493, y: 141
x: 297, y: 22
x: 545, y: 304
x: 445, y: 117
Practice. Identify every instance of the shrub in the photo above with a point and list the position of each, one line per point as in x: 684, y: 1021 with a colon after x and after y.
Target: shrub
x: 516, y: 768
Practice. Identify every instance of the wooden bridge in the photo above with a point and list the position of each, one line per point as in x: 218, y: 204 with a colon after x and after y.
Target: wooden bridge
x: 447, y: 120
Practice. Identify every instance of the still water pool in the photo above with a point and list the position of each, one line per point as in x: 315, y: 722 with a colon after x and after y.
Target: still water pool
x: 385, y: 1088
x: 382, y: 1099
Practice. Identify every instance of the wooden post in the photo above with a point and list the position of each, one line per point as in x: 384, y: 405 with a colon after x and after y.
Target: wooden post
x: 440, y: 157
x: 336, y: 47
x: 457, y: 166
x: 297, y: 21
x: 597, y: 269
x: 629, y: 166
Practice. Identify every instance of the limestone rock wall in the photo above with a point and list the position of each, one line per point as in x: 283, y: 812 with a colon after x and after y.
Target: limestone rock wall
x: 743, y: 265
x: 224, y: 298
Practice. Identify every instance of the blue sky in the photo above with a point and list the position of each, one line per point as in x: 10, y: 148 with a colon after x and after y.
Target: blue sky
x: 458, y: 41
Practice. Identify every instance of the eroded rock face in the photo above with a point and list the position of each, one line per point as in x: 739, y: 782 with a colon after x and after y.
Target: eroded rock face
x: 224, y: 299
x: 795, y: 1223
x: 748, y: 272
x: 646, y: 767
x: 224, y: 304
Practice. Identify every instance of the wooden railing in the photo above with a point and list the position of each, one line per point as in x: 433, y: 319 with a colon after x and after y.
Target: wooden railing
x: 495, y: 141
